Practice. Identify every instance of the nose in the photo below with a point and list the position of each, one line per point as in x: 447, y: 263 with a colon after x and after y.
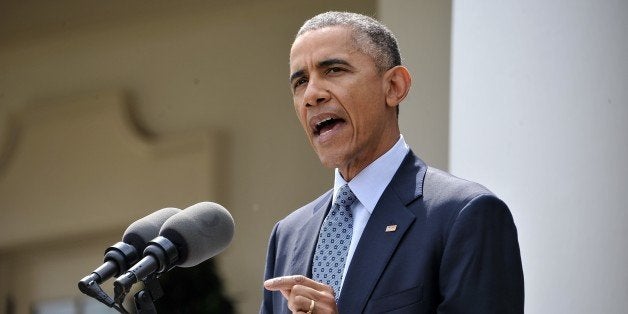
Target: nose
x: 316, y: 93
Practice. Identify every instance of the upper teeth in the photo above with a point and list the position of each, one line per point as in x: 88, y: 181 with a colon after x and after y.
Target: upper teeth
x: 323, y: 121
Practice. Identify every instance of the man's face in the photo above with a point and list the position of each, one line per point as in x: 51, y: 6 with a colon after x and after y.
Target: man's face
x: 339, y: 97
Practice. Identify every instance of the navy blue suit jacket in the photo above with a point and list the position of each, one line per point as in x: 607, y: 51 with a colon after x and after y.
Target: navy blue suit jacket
x: 454, y: 250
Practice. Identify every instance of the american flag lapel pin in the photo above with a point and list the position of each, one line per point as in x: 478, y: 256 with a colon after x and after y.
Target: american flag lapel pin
x: 391, y: 228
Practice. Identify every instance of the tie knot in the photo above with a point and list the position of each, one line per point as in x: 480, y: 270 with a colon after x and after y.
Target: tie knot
x: 345, y: 196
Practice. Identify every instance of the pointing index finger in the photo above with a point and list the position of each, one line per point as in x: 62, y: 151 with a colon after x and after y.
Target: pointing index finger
x: 284, y: 282
x: 287, y: 282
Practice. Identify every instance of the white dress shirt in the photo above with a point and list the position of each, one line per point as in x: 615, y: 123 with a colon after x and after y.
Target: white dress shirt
x: 368, y: 186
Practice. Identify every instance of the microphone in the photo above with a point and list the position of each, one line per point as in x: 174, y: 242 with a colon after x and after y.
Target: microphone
x: 186, y: 239
x: 120, y: 256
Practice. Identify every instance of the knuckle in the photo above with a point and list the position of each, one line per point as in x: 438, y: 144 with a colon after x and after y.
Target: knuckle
x: 298, y: 289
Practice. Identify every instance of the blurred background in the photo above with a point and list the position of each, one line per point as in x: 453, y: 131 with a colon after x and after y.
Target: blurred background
x: 110, y: 110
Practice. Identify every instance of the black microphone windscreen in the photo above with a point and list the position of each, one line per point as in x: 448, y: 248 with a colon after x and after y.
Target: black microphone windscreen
x: 140, y: 232
x: 199, y: 232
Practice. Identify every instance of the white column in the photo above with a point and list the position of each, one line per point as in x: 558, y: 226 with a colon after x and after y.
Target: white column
x: 539, y: 114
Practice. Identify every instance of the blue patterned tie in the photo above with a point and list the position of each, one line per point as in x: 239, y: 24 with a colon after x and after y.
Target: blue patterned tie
x: 334, y: 240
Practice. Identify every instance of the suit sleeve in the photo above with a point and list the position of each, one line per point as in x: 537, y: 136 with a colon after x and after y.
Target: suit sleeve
x: 267, y: 302
x: 481, y: 265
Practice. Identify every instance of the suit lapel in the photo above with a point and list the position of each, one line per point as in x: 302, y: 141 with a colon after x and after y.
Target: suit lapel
x: 377, y: 245
x: 303, y: 249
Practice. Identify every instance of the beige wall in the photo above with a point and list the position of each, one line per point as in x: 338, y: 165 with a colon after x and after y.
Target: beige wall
x: 197, y: 65
x: 423, y: 30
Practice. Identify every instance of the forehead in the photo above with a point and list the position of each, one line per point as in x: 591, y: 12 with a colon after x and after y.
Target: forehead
x: 320, y: 44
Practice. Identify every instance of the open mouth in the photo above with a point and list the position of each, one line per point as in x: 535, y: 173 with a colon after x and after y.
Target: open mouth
x: 326, y: 125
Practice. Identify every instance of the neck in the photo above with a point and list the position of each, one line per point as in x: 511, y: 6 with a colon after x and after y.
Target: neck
x: 354, y: 167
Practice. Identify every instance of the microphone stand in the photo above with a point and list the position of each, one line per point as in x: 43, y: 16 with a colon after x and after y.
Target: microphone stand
x: 145, y: 298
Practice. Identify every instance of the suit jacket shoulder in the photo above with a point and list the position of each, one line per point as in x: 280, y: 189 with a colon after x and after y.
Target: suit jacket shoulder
x: 445, y: 196
x: 442, y: 188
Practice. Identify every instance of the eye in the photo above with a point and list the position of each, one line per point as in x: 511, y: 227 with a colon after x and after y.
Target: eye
x: 333, y: 70
x: 298, y: 82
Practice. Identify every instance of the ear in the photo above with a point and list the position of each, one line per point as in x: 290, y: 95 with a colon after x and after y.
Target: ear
x: 398, y: 82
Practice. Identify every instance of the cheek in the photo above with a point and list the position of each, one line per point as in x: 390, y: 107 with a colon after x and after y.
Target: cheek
x: 367, y: 114
x: 301, y: 115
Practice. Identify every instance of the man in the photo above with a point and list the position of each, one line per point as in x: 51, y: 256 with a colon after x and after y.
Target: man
x: 394, y: 235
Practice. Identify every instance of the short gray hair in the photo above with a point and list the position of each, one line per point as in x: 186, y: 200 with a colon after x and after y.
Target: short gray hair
x: 372, y: 37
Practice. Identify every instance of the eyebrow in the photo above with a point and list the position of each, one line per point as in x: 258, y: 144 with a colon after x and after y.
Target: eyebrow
x: 296, y: 74
x: 321, y: 64
x: 330, y: 62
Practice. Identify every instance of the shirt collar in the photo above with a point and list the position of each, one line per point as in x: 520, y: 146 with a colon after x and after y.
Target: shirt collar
x: 369, y: 185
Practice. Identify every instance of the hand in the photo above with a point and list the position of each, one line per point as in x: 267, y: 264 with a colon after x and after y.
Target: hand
x: 300, y: 291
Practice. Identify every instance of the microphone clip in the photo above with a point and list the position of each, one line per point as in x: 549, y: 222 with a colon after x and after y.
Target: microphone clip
x: 144, y: 299
x: 160, y: 256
